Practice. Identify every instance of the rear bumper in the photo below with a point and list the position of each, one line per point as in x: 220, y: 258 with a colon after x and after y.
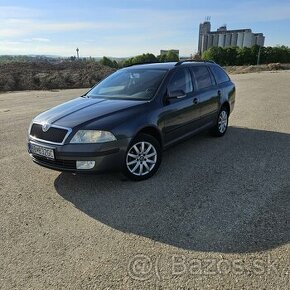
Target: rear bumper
x: 107, y: 156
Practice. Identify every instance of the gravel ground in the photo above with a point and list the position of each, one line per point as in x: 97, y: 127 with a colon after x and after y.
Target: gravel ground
x: 216, y: 215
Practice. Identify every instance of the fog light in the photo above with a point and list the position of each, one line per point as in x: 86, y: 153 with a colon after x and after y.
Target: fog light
x: 85, y: 164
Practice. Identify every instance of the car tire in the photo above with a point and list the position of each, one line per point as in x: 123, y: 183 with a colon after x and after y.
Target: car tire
x: 142, y: 158
x: 222, y: 122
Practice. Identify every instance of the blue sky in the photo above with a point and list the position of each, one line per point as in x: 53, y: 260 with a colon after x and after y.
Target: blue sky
x: 130, y: 27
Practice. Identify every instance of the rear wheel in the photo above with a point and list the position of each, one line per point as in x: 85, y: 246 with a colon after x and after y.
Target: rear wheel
x: 143, y: 158
x: 222, y: 123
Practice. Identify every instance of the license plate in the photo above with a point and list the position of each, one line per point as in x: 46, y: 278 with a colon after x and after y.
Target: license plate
x: 41, y: 151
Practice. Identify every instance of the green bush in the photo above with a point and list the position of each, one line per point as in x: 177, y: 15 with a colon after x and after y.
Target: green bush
x: 108, y: 62
x: 142, y: 58
x: 169, y: 56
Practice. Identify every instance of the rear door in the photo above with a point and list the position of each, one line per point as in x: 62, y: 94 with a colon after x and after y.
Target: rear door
x: 206, y: 92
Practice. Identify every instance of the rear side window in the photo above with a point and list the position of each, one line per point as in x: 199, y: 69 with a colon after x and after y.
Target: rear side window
x: 202, y: 77
x: 181, y: 80
x: 219, y: 74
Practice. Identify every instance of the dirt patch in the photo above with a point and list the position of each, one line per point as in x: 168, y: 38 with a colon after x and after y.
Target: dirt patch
x: 257, y: 68
x: 45, y: 75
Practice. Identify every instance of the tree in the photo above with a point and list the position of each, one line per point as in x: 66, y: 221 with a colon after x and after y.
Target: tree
x: 169, y: 56
x: 142, y: 58
x: 217, y: 54
x: 244, y: 56
x: 108, y: 62
x: 247, y: 56
x: 230, y: 56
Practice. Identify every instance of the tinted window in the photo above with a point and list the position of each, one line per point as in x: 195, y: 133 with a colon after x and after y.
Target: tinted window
x: 181, y: 80
x: 219, y: 74
x: 202, y: 76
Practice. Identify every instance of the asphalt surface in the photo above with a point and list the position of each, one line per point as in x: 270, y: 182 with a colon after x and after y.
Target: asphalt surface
x: 216, y: 215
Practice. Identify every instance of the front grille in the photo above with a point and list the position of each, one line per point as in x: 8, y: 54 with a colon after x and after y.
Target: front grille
x: 61, y: 164
x: 55, y: 135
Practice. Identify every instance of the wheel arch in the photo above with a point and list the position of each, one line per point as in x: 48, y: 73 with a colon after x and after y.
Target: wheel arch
x: 152, y: 131
x: 226, y: 105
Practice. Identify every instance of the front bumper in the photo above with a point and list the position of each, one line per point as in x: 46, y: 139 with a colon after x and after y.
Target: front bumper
x: 107, y: 156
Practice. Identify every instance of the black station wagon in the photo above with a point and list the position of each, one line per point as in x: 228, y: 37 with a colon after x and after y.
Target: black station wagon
x: 127, y: 120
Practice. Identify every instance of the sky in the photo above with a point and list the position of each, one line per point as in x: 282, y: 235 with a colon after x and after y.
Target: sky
x: 130, y: 27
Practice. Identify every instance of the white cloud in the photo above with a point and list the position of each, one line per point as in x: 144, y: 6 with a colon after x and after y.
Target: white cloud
x: 243, y: 12
x: 13, y: 27
x: 86, y: 49
x: 18, y: 12
x: 256, y: 12
x: 40, y: 39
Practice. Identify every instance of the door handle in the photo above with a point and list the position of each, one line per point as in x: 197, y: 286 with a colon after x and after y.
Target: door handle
x: 195, y: 101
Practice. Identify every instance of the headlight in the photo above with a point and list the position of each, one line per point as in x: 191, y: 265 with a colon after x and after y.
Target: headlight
x: 92, y: 136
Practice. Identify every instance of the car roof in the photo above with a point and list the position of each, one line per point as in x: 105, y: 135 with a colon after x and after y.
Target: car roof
x: 168, y: 65
x: 157, y: 65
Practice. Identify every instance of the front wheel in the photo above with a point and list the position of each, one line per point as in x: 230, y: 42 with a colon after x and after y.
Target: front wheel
x: 222, y: 123
x: 143, y: 158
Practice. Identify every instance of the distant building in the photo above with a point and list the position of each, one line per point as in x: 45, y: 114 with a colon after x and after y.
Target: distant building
x: 176, y: 51
x: 224, y: 38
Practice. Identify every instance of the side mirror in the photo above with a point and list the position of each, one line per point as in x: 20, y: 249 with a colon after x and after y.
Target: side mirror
x: 178, y: 94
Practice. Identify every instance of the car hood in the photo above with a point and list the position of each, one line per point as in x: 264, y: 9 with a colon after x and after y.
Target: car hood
x: 82, y: 110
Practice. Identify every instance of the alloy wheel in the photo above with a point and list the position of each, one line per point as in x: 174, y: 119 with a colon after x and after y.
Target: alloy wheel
x: 141, y: 158
x: 223, y: 121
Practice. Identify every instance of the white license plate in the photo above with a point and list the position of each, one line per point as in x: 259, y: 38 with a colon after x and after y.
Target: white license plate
x: 41, y: 151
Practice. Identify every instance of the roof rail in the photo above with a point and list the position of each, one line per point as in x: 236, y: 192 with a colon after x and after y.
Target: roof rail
x: 139, y: 63
x: 193, y: 60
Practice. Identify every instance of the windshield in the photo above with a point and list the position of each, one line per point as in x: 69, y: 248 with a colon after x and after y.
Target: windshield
x: 129, y: 84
